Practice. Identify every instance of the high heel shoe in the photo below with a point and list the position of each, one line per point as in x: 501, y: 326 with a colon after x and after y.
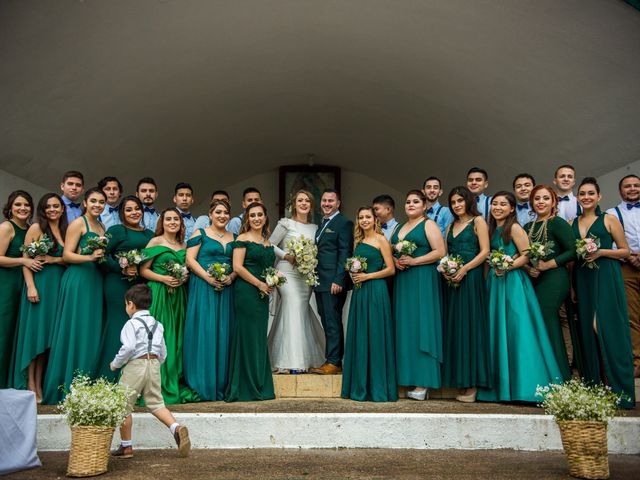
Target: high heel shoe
x: 423, y: 395
x: 468, y: 397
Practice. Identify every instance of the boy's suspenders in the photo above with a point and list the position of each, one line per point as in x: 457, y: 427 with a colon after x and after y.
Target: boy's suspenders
x: 150, y: 332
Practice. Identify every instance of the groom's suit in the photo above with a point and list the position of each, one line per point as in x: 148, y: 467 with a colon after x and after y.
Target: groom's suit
x: 335, y: 244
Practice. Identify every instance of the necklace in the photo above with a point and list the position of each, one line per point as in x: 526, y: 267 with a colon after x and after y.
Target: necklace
x: 541, y: 234
x: 175, y: 242
x: 219, y: 235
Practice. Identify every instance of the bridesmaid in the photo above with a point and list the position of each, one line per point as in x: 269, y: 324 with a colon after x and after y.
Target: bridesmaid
x: 602, y: 305
x: 18, y: 212
x: 129, y: 234
x: 550, y: 275
x: 249, y: 366
x: 169, y: 301
x: 521, y: 353
x: 75, y: 344
x: 369, y: 370
x: 209, y: 322
x: 466, y: 356
x: 417, y: 301
x: 40, y: 297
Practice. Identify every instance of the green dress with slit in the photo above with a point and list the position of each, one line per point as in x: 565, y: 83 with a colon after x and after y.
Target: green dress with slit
x: 36, y: 320
x: 75, y: 343
x: 250, y: 375
x: 122, y: 239
x: 417, y: 309
x: 602, y: 299
x: 11, y: 281
x: 169, y: 308
x: 369, y: 367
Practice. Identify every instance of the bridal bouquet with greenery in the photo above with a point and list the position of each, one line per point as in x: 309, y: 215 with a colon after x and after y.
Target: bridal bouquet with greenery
x: 128, y: 259
x: 585, y: 246
x: 357, y: 264
x: 538, y: 251
x: 499, y: 260
x: 176, y: 270
x: 450, y: 265
x: 38, y: 248
x: 98, y: 242
x: 219, y: 272
x: 404, y: 247
x: 95, y: 403
x: 305, y: 253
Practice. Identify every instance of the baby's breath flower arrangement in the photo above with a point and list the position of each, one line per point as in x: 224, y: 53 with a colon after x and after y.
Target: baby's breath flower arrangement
x: 94, y: 403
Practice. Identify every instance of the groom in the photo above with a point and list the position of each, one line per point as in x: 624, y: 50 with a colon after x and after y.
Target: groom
x: 335, y: 244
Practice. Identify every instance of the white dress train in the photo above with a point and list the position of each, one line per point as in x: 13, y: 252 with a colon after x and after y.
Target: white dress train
x: 296, y: 338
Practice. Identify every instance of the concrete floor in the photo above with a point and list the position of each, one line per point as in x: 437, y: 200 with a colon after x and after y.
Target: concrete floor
x: 336, y: 464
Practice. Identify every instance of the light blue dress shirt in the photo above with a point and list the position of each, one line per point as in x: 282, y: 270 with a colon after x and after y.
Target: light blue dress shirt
x: 389, y: 227
x: 234, y: 224
x: 202, y: 221
x: 524, y: 213
x: 150, y: 218
x: 630, y: 219
x: 189, y: 223
x: 568, y: 207
x: 74, y: 210
x: 484, y: 205
x: 441, y: 215
x: 110, y: 216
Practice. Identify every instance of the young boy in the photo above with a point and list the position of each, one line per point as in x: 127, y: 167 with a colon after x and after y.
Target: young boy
x: 143, y: 350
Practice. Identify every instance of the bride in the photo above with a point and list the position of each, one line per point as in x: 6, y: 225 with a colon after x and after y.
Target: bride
x: 296, y: 339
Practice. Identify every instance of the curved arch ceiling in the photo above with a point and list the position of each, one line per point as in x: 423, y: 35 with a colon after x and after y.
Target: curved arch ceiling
x: 392, y: 89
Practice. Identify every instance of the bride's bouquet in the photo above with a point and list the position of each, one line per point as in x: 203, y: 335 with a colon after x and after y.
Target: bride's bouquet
x: 38, y: 248
x: 128, y: 259
x: 176, y: 270
x: 273, y: 278
x: 305, y: 253
x: 98, y: 242
x: 356, y: 264
x: 219, y: 272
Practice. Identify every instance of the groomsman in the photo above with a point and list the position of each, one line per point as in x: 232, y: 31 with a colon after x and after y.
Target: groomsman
x: 335, y: 244
x: 477, y: 183
x: 147, y: 192
x: 523, y: 183
x: 183, y: 200
x: 72, y: 187
x: 249, y: 196
x: 112, y: 188
x: 628, y: 212
x: 564, y: 180
x: 384, y: 208
x: 203, y: 221
x: 432, y: 189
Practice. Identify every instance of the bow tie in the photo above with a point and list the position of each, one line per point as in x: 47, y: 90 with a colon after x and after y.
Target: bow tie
x: 150, y: 209
x: 564, y: 199
x: 73, y: 205
x: 522, y: 206
x: 186, y: 215
x: 430, y: 211
x: 384, y: 226
x: 113, y: 209
x: 633, y: 205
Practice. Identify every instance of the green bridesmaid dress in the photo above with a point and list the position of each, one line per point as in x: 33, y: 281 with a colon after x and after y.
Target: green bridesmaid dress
x: 552, y: 286
x: 250, y: 375
x: 418, y: 317
x: 11, y: 282
x: 116, y: 285
x: 466, y: 345
x: 209, y: 324
x: 36, y: 320
x: 369, y: 367
x: 519, y: 346
x: 602, y: 300
x: 75, y: 343
x: 169, y: 308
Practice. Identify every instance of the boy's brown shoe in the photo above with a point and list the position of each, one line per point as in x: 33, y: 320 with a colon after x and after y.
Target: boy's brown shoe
x: 123, y: 452
x: 182, y: 440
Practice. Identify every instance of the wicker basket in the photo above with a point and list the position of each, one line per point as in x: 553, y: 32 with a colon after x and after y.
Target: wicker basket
x: 585, y: 445
x: 89, y: 453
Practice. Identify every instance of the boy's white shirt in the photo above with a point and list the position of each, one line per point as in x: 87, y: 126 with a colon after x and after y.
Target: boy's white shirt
x: 135, y: 340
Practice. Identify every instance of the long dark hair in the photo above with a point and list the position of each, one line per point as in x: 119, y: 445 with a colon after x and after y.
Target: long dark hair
x: 43, y: 221
x: 6, y: 211
x: 128, y: 198
x: 508, y: 222
x: 160, y: 224
x: 470, y: 204
x: 245, y: 220
x: 90, y: 192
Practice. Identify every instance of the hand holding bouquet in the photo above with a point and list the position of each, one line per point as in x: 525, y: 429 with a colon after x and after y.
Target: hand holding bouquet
x: 220, y: 273
x: 38, y: 248
x: 273, y: 278
x: 129, y: 261
x: 305, y: 253
x: 178, y: 271
x: 500, y: 261
x: 538, y: 250
x: 94, y: 243
x: 404, y: 248
x: 585, y: 248
x: 450, y: 266
x: 355, y: 265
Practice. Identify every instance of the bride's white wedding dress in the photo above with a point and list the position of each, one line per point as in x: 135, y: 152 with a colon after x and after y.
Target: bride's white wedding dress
x: 296, y: 338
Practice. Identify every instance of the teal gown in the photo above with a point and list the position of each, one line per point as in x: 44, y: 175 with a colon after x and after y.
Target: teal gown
x: 209, y: 324
x: 418, y: 317
x: 466, y: 344
x: 116, y: 285
x: 11, y: 282
x: 250, y: 375
x: 36, y: 320
x: 75, y: 344
x: 607, y: 355
x: 369, y: 370
x: 169, y: 309
x: 521, y: 352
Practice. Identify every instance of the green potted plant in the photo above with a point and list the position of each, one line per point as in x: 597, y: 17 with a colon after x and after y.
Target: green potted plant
x: 93, y: 410
x: 582, y: 412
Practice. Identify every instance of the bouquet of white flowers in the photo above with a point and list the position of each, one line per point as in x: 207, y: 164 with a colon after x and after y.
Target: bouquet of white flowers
x: 499, y: 260
x: 38, y: 248
x: 305, y: 253
x: 585, y: 246
x: 356, y: 264
x: 98, y: 242
x: 130, y: 259
x: 538, y: 250
x: 404, y: 247
x: 449, y: 266
x: 219, y: 272
x: 273, y: 278
x: 178, y: 271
